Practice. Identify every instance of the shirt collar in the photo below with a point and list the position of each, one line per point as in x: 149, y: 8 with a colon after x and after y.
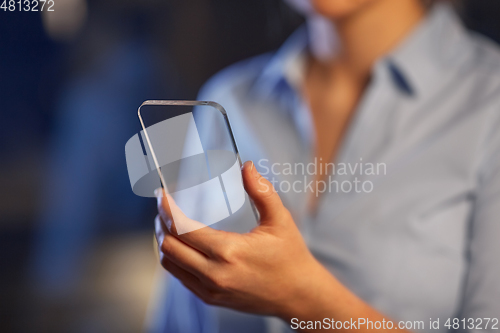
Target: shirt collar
x: 286, y: 67
x: 438, y: 43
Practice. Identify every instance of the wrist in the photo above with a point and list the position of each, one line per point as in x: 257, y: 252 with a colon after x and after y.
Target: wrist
x: 311, y: 294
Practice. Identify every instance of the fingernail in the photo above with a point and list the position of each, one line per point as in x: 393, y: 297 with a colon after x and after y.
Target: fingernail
x: 253, y: 170
x: 159, y: 195
x: 168, y: 224
x: 247, y: 164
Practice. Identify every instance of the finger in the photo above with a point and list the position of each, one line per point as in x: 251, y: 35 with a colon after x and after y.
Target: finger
x: 187, y: 279
x: 163, y: 204
x: 176, y: 221
x: 262, y: 192
x: 202, y: 238
x: 180, y: 253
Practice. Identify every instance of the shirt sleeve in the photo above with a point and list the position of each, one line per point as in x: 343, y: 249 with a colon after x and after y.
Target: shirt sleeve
x: 482, y: 286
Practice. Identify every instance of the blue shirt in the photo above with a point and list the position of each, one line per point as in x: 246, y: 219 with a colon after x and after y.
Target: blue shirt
x: 424, y: 242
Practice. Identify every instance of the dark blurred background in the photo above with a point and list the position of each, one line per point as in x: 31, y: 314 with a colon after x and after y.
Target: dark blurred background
x: 76, y: 249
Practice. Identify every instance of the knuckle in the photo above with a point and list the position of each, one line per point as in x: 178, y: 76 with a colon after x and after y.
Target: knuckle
x: 165, y: 263
x: 219, y: 281
x: 211, y: 297
x: 208, y: 298
x: 227, y: 253
x: 283, y: 217
x: 287, y: 215
x: 269, y: 191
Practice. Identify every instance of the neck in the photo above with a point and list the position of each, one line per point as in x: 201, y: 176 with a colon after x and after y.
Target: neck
x: 371, y: 33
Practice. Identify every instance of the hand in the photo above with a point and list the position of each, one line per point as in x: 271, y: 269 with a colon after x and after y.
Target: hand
x: 267, y: 271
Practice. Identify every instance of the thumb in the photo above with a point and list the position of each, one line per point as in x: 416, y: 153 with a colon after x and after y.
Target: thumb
x: 265, y: 198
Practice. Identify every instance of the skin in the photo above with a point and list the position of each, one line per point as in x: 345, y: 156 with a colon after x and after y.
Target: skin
x: 270, y: 270
x: 267, y: 271
x: 334, y: 87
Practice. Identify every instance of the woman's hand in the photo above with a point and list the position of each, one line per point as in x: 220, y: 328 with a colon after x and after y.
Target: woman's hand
x: 267, y: 271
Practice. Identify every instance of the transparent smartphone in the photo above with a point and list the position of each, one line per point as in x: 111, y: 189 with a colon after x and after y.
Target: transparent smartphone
x: 188, y: 148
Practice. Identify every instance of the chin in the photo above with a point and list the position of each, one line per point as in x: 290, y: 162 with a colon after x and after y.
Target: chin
x: 338, y: 9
